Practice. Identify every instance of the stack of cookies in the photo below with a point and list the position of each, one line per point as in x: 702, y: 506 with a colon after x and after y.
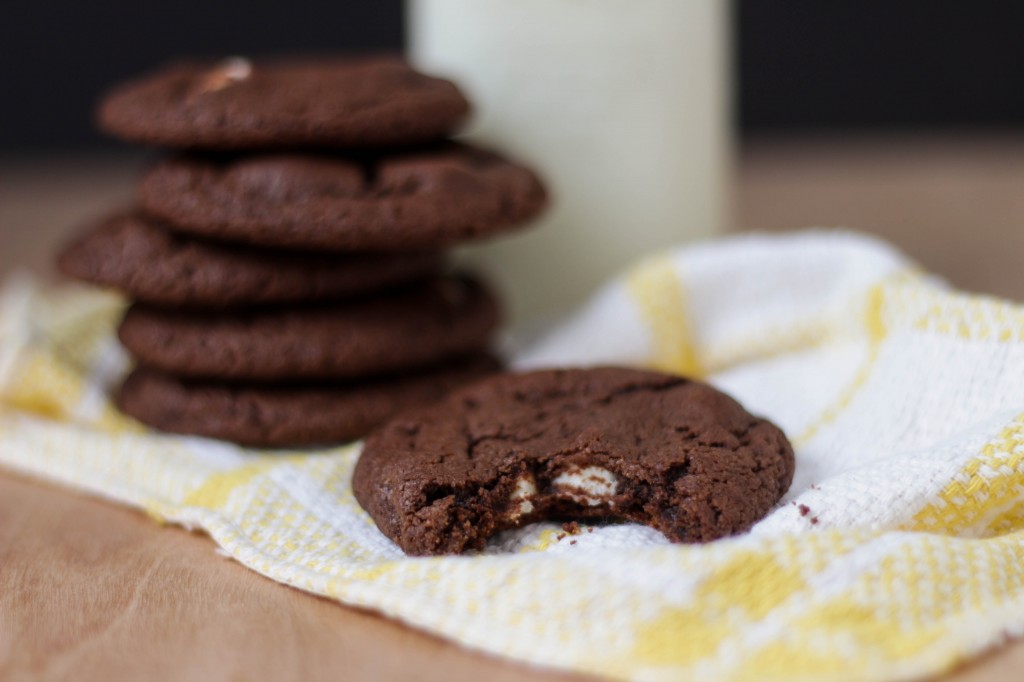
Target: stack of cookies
x: 286, y: 261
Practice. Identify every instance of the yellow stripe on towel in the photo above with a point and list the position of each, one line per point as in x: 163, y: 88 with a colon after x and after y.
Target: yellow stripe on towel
x: 661, y: 299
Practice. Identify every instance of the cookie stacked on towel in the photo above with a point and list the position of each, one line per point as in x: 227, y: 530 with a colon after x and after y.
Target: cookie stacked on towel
x: 286, y: 261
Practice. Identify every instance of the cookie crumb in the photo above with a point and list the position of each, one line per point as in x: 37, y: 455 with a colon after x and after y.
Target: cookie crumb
x: 814, y: 520
x: 804, y: 509
x: 571, y: 527
x: 572, y: 542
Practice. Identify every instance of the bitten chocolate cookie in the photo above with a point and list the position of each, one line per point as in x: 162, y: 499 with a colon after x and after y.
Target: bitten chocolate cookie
x: 416, y: 200
x: 239, y: 104
x: 430, y: 322
x: 292, y: 415
x: 656, y: 449
x: 149, y: 263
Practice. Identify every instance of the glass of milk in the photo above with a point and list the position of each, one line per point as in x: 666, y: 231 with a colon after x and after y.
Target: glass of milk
x: 621, y: 105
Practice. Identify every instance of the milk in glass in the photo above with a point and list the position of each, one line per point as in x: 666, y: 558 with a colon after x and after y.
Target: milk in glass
x: 622, y: 107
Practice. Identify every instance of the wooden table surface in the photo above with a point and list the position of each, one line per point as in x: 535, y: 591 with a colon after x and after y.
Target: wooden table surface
x: 89, y: 590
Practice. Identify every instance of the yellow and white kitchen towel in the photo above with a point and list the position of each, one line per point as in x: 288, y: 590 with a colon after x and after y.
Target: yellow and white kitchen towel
x: 898, y: 552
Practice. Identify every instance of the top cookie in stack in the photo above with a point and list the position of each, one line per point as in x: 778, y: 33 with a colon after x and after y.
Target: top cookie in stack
x: 287, y: 262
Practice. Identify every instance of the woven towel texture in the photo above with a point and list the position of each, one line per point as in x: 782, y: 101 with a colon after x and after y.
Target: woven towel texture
x: 899, y: 550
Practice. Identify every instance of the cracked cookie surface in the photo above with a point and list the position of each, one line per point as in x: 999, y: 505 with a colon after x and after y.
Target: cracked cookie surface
x: 652, y: 448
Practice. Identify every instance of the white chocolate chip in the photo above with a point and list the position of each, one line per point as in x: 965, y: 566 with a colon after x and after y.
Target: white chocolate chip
x: 525, y: 487
x: 233, y: 70
x: 589, y: 485
x: 524, y: 490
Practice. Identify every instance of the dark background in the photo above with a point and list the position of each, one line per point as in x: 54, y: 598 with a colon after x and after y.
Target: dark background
x: 800, y: 65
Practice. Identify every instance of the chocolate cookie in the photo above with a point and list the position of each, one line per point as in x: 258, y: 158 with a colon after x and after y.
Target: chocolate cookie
x: 239, y: 104
x: 651, y: 448
x: 416, y: 200
x: 439, y: 319
x: 149, y: 263
x: 279, y: 416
